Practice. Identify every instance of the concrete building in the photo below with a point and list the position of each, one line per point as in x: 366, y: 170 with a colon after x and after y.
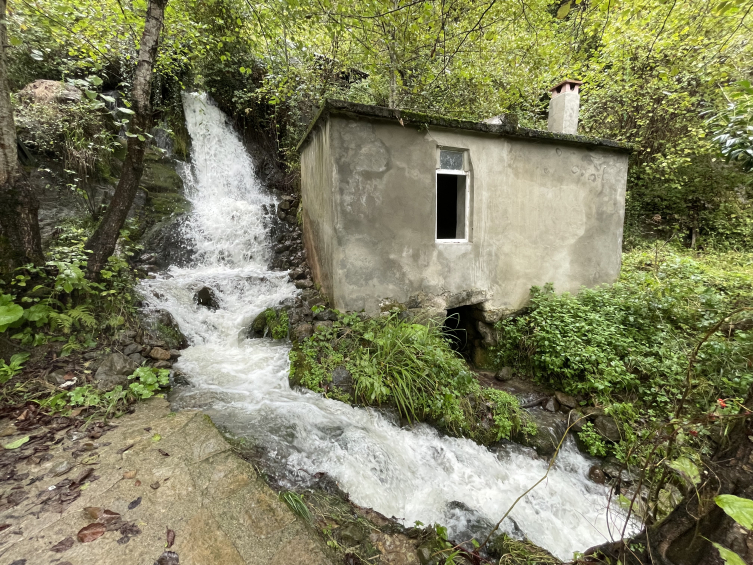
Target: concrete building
x: 437, y: 214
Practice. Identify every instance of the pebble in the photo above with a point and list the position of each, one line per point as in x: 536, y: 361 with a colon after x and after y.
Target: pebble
x: 61, y: 468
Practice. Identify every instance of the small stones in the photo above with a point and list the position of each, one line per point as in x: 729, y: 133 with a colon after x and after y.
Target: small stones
x: 129, y: 474
x: 132, y: 348
x: 304, y: 283
x: 159, y: 354
x: 608, y: 428
x: 552, y: 405
x: 504, y: 374
x: 303, y: 331
x: 155, y: 485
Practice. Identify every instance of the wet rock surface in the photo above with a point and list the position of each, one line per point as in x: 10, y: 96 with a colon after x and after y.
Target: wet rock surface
x: 210, y: 506
x: 114, y: 371
x: 206, y: 297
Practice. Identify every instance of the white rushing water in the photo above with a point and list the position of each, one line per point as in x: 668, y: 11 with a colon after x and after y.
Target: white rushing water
x: 412, y: 474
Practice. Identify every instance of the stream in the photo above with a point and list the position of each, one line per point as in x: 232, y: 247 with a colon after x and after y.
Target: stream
x: 413, y: 474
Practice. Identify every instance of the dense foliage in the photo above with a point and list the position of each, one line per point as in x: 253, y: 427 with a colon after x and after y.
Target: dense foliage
x: 57, y: 302
x: 655, y: 74
x: 411, y: 366
x: 628, y: 346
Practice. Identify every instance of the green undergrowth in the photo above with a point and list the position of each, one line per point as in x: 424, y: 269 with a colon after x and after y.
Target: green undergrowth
x: 627, y: 346
x: 410, y: 366
x: 57, y: 303
x: 145, y: 382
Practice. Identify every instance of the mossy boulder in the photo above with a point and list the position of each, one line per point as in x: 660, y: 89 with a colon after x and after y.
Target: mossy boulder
x: 269, y: 323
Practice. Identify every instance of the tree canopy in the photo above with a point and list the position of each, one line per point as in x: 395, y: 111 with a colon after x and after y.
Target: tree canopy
x: 667, y: 76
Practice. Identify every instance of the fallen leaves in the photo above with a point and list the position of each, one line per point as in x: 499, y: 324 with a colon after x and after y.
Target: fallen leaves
x: 126, y: 448
x: 62, y: 545
x: 129, y: 474
x: 18, y: 443
x: 163, y: 452
x: 156, y: 437
x: 134, y: 503
x: 101, y: 514
x: 170, y: 538
x: 91, y: 532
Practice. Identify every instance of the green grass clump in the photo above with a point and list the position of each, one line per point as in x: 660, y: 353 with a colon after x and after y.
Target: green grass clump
x: 296, y: 504
x: 410, y: 366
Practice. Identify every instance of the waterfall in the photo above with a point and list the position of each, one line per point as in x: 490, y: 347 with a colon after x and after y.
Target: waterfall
x: 412, y: 474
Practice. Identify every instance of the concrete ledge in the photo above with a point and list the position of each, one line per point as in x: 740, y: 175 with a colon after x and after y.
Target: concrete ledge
x: 407, y: 118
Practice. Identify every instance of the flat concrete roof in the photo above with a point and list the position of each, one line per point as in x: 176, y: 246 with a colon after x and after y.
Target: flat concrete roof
x: 407, y: 118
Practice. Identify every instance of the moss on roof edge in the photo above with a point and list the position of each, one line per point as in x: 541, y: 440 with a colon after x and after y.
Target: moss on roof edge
x: 417, y: 119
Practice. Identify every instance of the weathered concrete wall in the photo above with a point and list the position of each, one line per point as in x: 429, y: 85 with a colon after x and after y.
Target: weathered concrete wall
x: 540, y: 212
x: 319, y: 229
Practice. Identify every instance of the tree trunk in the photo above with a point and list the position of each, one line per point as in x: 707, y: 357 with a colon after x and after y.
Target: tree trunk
x: 20, y: 242
x: 103, y: 240
x: 682, y: 538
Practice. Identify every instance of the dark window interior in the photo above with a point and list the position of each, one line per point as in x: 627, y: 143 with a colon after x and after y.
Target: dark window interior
x: 450, y: 206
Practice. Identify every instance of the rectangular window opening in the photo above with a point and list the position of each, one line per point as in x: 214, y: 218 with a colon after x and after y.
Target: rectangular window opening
x: 451, y: 203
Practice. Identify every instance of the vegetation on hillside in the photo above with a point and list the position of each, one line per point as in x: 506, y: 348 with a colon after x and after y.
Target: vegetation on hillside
x: 671, y: 78
x: 667, y: 351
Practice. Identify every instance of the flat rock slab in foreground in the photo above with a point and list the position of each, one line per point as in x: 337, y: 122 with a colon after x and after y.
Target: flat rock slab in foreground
x: 219, y: 508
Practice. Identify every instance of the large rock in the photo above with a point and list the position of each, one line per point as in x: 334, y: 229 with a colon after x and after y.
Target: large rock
x: 49, y: 91
x: 114, y: 370
x: 608, y: 428
x: 163, y: 326
x: 342, y: 379
x: 205, y: 296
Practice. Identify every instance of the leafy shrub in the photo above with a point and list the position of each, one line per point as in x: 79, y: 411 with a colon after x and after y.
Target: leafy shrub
x: 81, y: 136
x: 635, y: 336
x: 57, y: 302
x: 10, y: 370
x: 593, y: 441
x: 149, y: 381
x: 627, y: 345
x: 277, y: 322
x: 410, y: 366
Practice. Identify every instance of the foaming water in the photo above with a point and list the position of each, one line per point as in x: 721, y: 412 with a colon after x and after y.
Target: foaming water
x: 412, y: 474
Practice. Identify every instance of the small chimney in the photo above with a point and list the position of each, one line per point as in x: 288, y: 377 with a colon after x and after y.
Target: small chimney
x: 564, y: 107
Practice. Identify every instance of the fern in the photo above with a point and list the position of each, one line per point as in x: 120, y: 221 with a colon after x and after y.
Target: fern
x: 82, y: 314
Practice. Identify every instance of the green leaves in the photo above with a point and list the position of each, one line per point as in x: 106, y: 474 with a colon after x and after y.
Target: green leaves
x: 149, y: 381
x: 564, y: 10
x: 10, y: 370
x: 687, y: 470
x: 728, y: 556
x: 739, y: 509
x: 9, y: 313
x: 16, y: 444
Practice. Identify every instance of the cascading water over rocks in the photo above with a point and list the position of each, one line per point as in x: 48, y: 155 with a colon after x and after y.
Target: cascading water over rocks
x: 413, y: 474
